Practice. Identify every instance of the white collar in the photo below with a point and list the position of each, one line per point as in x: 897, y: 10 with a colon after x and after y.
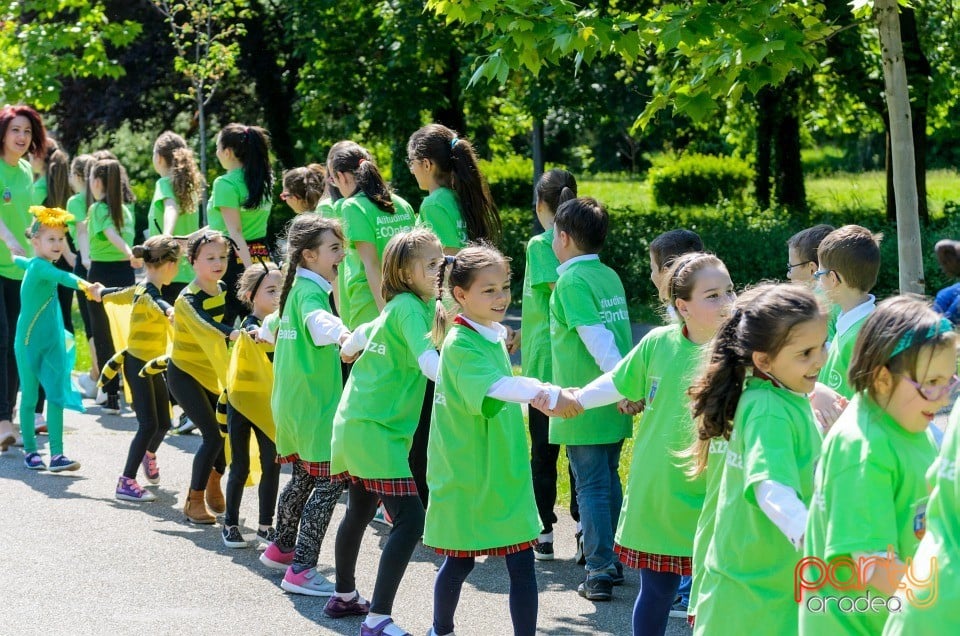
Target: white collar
x: 494, y: 334
x: 577, y: 259
x: 848, y: 319
x: 303, y: 272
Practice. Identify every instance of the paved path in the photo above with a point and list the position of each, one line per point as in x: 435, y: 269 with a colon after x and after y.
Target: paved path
x: 77, y: 561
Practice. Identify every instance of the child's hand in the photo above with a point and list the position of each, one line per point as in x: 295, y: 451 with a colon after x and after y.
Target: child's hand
x: 136, y: 263
x: 234, y: 335
x: 542, y: 402
x: 626, y: 407
x: 568, y: 405
x: 170, y: 312
x: 827, y: 405
x: 95, y: 290
x: 349, y: 359
x: 512, y: 341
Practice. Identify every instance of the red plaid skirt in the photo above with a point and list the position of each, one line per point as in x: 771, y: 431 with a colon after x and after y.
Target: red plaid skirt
x: 657, y: 562
x: 510, y: 549
x: 394, y: 487
x: 314, y: 469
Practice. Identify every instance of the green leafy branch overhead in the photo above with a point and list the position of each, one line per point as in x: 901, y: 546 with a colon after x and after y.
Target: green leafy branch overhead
x: 714, y: 50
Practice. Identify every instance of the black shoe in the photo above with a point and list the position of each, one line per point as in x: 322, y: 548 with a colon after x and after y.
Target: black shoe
x: 267, y: 536
x: 113, y: 404
x: 232, y: 537
x: 543, y: 551
x: 580, y: 557
x: 597, y: 588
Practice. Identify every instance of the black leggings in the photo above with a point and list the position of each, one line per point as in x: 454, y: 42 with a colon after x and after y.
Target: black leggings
x: 9, y: 380
x: 523, y: 592
x: 152, y: 406
x: 111, y: 274
x: 200, y: 405
x: 543, y: 464
x: 239, y: 428
x: 407, y: 514
x: 308, y: 501
x: 418, y: 449
x: 81, y: 271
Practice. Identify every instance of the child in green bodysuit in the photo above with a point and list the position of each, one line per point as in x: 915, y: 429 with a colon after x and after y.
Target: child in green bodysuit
x: 40, y: 347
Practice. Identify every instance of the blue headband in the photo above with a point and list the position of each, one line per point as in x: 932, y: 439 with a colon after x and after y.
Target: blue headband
x: 906, y: 340
x: 453, y: 142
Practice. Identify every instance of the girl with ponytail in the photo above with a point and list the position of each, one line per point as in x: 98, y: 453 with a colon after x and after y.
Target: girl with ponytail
x: 754, y: 393
x: 459, y: 207
x: 240, y: 203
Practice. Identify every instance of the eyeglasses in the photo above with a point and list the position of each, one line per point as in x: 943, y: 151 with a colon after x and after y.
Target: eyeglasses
x: 285, y: 195
x: 933, y: 393
x: 791, y: 266
x: 820, y: 273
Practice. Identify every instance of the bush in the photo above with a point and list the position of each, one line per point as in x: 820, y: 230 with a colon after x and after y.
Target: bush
x: 510, y: 179
x: 751, y: 242
x: 699, y: 180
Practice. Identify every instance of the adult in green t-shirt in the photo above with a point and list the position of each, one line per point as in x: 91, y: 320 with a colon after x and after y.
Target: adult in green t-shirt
x: 928, y: 608
x: 21, y: 131
x: 371, y: 215
x: 174, y: 208
x: 240, y: 203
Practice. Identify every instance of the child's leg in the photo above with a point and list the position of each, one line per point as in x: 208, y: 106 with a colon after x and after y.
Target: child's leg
x: 269, y: 478
x: 29, y: 385
x: 361, y: 506
x: 314, y: 521
x: 145, y: 406
x: 290, y: 506
x: 658, y: 590
x: 418, y: 448
x: 543, y: 464
x: 408, y: 515
x: 523, y: 592
x: 54, y: 428
x: 238, y: 428
x: 446, y: 591
x: 599, y: 503
x: 161, y: 399
x: 200, y: 406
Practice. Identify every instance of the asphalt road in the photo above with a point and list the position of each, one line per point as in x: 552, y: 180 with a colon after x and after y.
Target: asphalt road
x: 77, y: 561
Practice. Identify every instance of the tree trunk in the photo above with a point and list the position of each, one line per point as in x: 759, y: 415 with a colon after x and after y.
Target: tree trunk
x: 202, y: 122
x: 901, y: 142
x: 765, y: 126
x: 919, y: 78
x: 538, y: 165
x: 788, y: 175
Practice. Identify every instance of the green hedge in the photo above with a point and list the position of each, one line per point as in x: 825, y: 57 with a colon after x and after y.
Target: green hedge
x: 510, y: 180
x: 699, y: 180
x: 752, y: 243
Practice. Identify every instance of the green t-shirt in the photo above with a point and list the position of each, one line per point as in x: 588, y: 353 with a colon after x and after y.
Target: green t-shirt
x: 870, y: 496
x: 186, y: 223
x: 935, y: 607
x: 230, y: 191
x: 364, y: 222
x: 705, y: 522
x: 77, y: 206
x: 440, y: 212
x: 343, y: 309
x: 101, y: 249
x: 541, y: 272
x: 16, y: 196
x: 750, y: 563
x: 325, y: 208
x: 39, y: 191
x: 837, y: 367
x: 661, y: 504
x: 832, y: 315
x: 307, y: 378
x: 587, y: 293
x: 372, y: 438
x: 481, y: 487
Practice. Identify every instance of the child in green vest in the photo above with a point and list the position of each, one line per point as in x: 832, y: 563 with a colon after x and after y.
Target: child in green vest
x: 776, y: 333
x: 657, y: 524
x: 868, y: 511
x: 931, y: 594
x: 848, y: 264
x: 478, y: 467
x: 372, y: 438
x: 306, y: 391
x: 589, y: 334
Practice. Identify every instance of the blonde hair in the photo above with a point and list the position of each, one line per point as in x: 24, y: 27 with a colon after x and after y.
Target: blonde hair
x: 158, y: 250
x: 399, y: 255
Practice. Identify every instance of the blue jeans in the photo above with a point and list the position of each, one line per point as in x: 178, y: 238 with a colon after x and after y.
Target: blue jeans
x: 600, y: 496
x: 686, y: 583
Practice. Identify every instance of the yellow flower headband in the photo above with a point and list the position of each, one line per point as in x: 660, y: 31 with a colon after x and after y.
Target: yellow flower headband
x: 49, y: 217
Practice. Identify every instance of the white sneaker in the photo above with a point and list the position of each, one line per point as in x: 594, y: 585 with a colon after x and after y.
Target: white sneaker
x: 88, y: 386
x: 101, y: 397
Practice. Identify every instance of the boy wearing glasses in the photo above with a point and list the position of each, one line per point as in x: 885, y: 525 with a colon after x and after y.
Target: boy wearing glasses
x: 802, y: 263
x: 849, y: 261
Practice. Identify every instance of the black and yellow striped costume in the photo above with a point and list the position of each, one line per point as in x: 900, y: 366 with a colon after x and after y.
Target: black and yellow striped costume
x: 149, y: 331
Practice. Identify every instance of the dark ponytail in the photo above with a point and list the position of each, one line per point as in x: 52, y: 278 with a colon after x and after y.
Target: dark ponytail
x: 555, y: 187
x: 251, y: 146
x: 458, y: 166
x: 347, y: 156
x: 58, y: 179
x: 305, y: 232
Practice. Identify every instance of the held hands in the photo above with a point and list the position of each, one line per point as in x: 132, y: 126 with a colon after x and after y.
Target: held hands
x: 347, y: 359
x: 626, y: 407
x: 95, y: 292
x: 136, y: 263
x: 234, y: 335
x: 827, y: 405
x: 513, y: 340
x: 170, y: 313
x: 567, y: 404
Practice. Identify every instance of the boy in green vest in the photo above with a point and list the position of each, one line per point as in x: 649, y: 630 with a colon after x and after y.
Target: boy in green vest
x: 849, y: 261
x: 590, y: 333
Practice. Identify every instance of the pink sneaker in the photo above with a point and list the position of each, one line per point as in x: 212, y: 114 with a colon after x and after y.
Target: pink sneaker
x: 150, y: 469
x: 309, y: 582
x: 274, y: 557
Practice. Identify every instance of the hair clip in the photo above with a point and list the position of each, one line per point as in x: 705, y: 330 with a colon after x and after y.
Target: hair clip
x: 453, y: 142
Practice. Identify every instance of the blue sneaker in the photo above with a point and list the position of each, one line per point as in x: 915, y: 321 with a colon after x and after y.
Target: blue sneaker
x: 62, y: 462
x: 33, y: 461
